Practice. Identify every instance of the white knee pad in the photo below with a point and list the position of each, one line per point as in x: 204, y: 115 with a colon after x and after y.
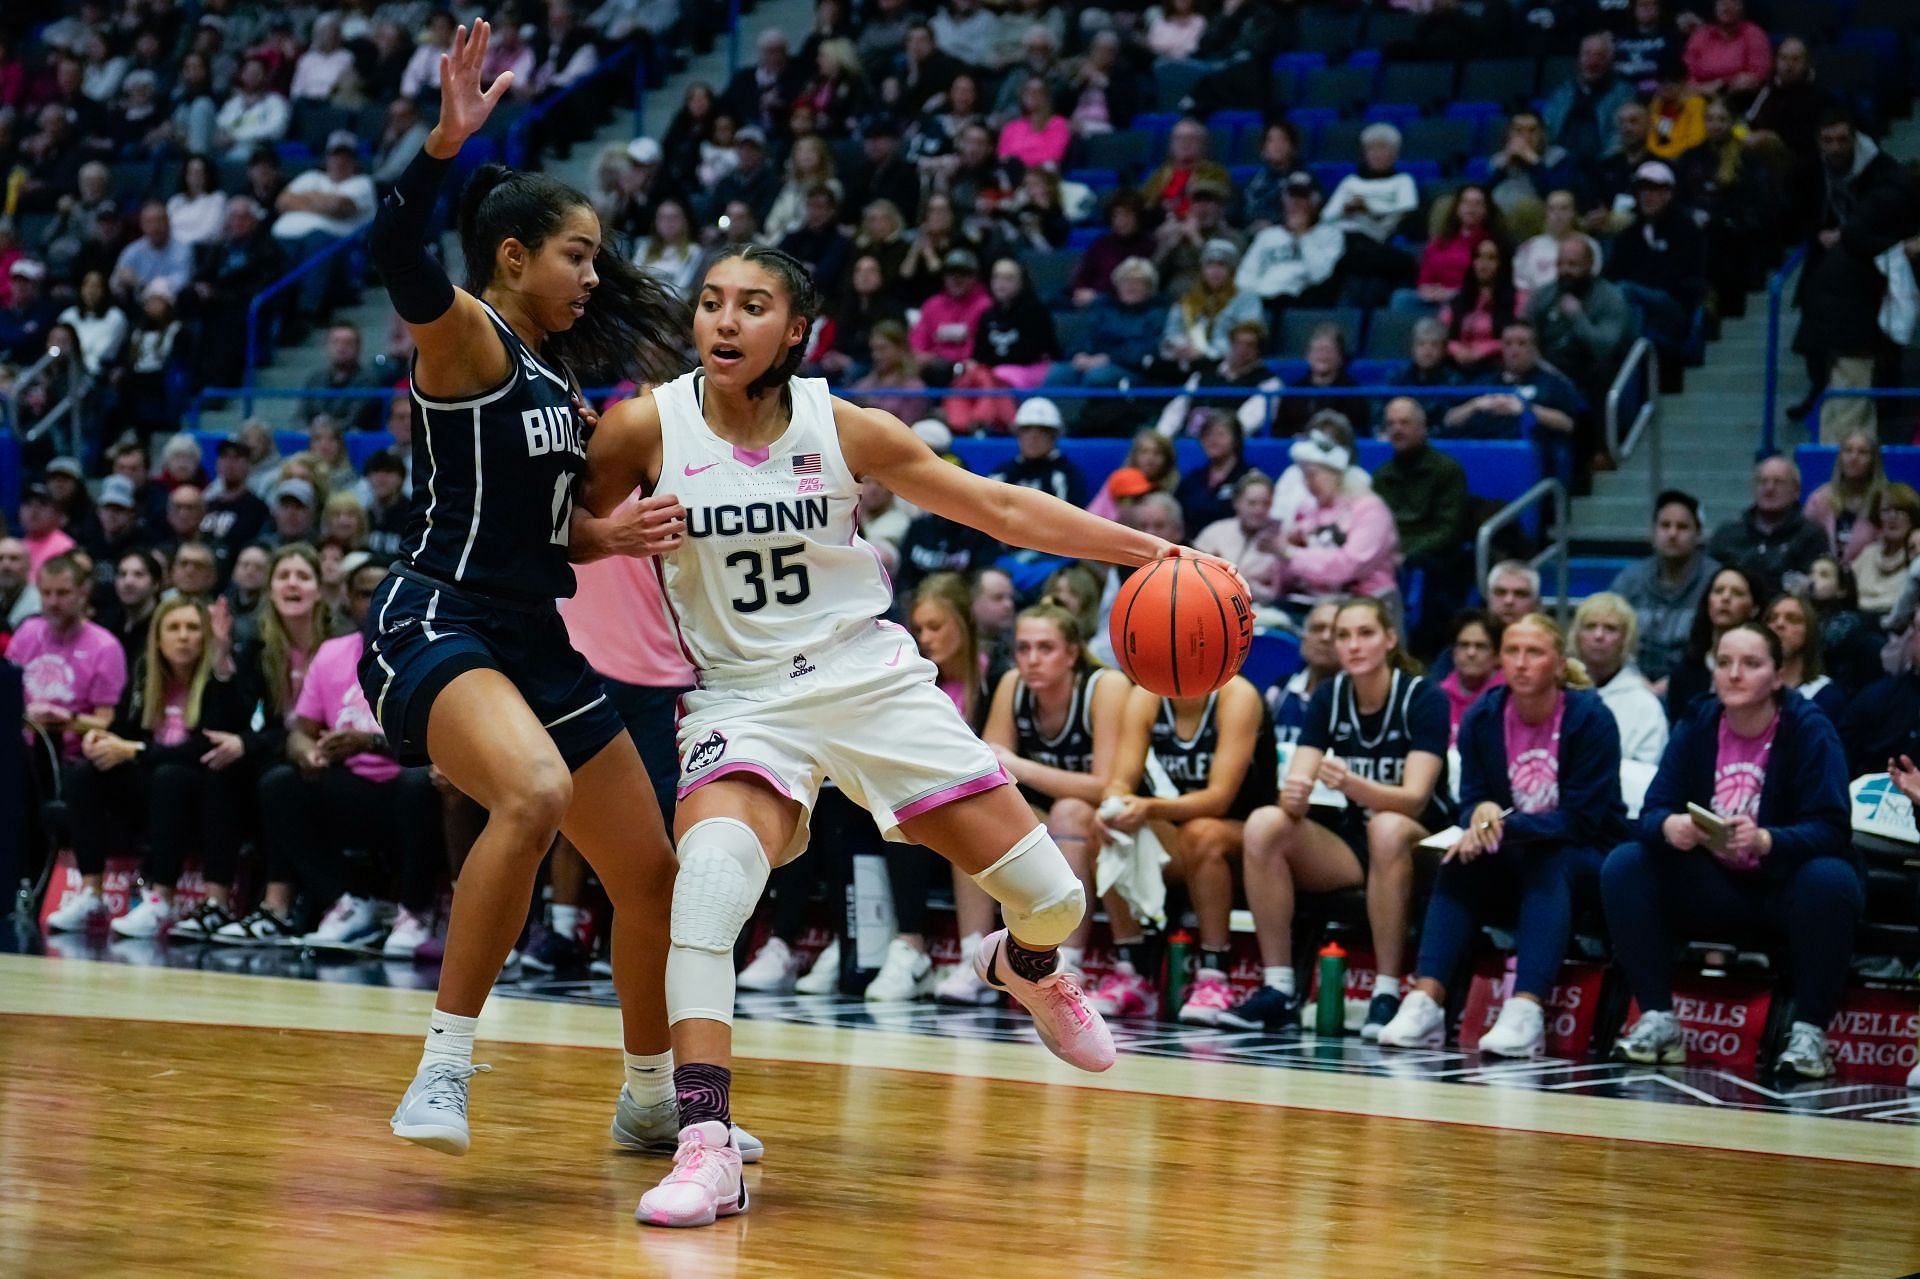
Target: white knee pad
x: 1038, y: 892
x: 723, y: 870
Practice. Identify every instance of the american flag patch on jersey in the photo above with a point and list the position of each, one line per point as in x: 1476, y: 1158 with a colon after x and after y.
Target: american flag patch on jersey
x: 806, y: 464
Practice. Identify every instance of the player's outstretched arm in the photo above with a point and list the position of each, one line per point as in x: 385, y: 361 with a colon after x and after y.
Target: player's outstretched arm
x: 879, y: 444
x: 458, y: 354
x: 623, y: 459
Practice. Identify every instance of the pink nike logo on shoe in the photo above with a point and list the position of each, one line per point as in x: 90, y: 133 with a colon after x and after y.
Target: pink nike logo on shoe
x: 896, y: 655
x: 690, y: 470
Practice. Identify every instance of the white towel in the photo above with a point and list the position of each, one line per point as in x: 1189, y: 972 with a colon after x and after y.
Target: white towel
x: 1900, y: 309
x: 1131, y: 864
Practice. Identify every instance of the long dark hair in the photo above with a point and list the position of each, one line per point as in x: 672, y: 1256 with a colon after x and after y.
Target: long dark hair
x: 1813, y: 654
x: 1700, y: 640
x: 1502, y: 288
x: 634, y: 327
x: 803, y: 300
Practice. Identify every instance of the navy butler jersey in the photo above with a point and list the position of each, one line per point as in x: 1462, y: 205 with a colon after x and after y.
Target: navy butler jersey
x: 493, y: 482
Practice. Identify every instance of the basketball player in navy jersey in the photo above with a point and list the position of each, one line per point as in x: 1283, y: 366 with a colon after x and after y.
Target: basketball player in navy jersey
x: 468, y: 661
x: 778, y: 602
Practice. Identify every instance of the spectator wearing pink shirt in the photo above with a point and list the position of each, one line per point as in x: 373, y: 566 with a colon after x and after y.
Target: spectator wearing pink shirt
x: 1729, y: 55
x: 1449, y: 254
x: 1338, y: 543
x: 343, y: 789
x: 943, y: 336
x: 1038, y: 137
x: 169, y: 769
x: 40, y: 527
x: 73, y: 670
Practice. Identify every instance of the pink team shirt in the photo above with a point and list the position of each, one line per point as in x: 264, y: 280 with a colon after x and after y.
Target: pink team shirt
x: 330, y: 696
x: 45, y: 547
x: 1533, y: 758
x: 1740, y: 770
x: 618, y: 621
x: 81, y: 673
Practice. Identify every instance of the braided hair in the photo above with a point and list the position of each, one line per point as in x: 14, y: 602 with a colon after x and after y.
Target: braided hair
x: 803, y: 300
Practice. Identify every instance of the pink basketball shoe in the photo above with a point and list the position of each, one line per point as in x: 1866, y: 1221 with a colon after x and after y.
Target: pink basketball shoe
x: 705, y: 1183
x: 1068, y: 1025
x: 1207, y: 998
x: 1123, y: 993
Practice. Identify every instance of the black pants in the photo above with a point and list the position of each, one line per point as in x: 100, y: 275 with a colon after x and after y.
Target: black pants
x: 309, y: 823
x: 840, y: 829
x: 179, y: 808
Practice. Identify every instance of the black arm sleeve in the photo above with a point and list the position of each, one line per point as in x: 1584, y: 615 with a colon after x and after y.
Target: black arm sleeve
x: 416, y: 282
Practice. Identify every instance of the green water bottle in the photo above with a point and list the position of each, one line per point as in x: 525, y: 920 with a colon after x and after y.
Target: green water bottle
x: 1330, y: 1011
x: 1179, y: 954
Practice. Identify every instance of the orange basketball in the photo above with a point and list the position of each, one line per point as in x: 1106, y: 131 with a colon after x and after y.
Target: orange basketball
x: 1181, y: 627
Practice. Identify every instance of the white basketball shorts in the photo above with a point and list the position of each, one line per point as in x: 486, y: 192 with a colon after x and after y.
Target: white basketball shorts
x: 865, y: 714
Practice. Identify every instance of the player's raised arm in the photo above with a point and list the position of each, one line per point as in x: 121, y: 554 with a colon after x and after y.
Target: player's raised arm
x: 879, y: 444
x: 458, y: 355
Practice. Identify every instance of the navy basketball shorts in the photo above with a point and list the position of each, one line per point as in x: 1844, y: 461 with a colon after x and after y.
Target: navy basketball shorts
x: 421, y: 635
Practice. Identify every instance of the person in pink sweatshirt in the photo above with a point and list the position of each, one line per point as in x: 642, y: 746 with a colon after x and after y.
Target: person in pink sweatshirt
x: 943, y: 335
x: 1729, y: 55
x: 1337, y: 543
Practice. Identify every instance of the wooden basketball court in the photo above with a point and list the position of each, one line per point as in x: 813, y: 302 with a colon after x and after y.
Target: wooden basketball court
x: 171, y: 1122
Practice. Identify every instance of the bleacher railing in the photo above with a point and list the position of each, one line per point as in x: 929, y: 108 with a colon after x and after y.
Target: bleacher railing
x: 1776, y: 293
x: 1558, y: 549
x: 1639, y: 375
x: 256, y: 308
x: 62, y: 422
x: 519, y: 135
x: 1869, y: 393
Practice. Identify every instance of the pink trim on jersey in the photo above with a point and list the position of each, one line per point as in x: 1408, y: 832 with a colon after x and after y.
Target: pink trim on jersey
x: 959, y: 790
x: 751, y: 457
x: 679, y: 632
x: 736, y: 766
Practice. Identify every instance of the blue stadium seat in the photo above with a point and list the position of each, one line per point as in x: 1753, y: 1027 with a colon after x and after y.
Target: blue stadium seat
x: 1448, y: 142
x: 1368, y: 58
x: 1289, y: 371
x: 1049, y: 272
x: 1373, y: 372
x: 1389, y: 335
x: 1337, y: 143
x: 1299, y: 62
x: 1242, y: 174
x: 1423, y: 172
x: 1816, y: 464
x: 1173, y: 83
x: 1555, y: 70
x: 1330, y: 173
x: 1419, y: 84
x: 1477, y: 169
x: 1815, y: 21
x: 1298, y: 324
x: 1331, y: 32
x: 362, y: 445
x: 1397, y: 114
x: 1081, y: 237
x: 1342, y: 89
x: 1156, y: 124
x: 1100, y: 180
x: 1123, y: 150
x: 1389, y: 27
x: 1502, y: 80
x: 1475, y: 109
x: 1309, y: 121
x: 1073, y: 326
x: 1273, y: 659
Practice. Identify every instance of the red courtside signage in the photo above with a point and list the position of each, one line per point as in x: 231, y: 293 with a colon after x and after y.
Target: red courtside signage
x: 1721, y: 1020
x: 1873, y: 1036
x: 1572, y: 1009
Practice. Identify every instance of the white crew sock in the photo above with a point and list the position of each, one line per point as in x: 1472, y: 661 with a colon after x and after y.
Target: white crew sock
x: 971, y: 943
x: 567, y: 921
x: 1280, y: 977
x: 1385, y: 985
x: 649, y: 1076
x: 449, y: 1040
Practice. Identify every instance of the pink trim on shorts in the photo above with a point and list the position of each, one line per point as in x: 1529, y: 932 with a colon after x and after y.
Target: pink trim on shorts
x: 736, y: 766
x: 960, y: 790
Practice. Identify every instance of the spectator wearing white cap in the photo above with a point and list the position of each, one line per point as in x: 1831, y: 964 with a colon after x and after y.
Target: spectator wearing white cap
x: 293, y: 513
x: 1660, y: 260
x: 319, y: 209
x: 629, y: 184
x: 1040, y: 464
x: 25, y: 320
x: 1340, y: 543
x: 1297, y: 254
x: 253, y: 115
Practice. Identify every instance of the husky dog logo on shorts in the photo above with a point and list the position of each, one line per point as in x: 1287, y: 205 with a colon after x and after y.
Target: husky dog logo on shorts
x: 707, y: 752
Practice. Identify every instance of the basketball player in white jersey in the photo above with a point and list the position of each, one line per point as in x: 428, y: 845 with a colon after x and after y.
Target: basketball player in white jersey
x: 777, y: 601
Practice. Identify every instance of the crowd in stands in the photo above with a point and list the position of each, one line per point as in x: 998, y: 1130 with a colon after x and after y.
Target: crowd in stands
x: 1008, y: 210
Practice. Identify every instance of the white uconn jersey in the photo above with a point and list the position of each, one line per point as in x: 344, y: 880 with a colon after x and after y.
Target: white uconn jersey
x: 774, y: 567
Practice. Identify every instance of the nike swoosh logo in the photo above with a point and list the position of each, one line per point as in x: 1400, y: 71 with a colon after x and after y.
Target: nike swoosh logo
x: 993, y: 971
x: 896, y: 655
x: 437, y: 1030
x: 691, y: 470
